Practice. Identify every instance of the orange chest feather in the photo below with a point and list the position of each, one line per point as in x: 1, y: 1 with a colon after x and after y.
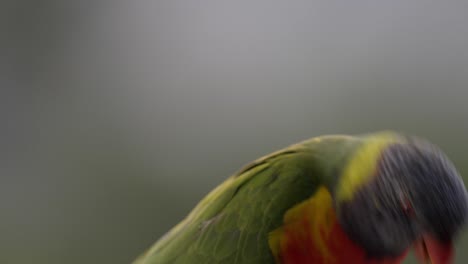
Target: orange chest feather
x: 311, y: 234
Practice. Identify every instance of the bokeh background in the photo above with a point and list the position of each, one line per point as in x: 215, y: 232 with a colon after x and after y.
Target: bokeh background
x: 118, y: 116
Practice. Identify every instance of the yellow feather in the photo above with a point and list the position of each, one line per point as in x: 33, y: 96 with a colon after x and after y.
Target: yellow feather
x: 362, y: 165
x: 318, y: 212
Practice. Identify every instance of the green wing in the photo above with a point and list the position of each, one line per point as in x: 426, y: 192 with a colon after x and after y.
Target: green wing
x: 232, y: 223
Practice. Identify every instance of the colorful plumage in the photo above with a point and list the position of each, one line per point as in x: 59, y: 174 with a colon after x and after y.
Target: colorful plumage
x: 331, y: 199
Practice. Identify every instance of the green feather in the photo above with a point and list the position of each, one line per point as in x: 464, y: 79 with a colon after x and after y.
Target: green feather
x: 232, y: 223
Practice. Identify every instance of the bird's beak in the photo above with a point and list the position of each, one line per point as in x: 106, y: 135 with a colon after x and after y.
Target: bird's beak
x: 429, y: 250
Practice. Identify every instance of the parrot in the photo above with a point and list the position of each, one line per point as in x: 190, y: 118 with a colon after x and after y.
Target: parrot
x: 368, y: 198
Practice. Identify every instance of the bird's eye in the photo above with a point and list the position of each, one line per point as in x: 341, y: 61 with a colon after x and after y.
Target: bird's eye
x: 407, y: 207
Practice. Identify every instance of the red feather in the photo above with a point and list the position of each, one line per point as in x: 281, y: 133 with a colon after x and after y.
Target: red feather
x: 340, y: 247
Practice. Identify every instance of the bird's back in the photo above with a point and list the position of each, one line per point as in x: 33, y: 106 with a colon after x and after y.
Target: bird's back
x: 232, y: 223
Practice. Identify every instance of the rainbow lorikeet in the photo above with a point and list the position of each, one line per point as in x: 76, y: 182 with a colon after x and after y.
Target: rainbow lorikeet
x: 330, y: 199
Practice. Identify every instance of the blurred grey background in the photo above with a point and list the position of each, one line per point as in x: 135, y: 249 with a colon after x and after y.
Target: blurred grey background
x: 118, y: 116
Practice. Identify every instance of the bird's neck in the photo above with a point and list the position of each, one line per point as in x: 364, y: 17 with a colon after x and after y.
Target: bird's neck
x: 311, y: 234
x: 346, y: 163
